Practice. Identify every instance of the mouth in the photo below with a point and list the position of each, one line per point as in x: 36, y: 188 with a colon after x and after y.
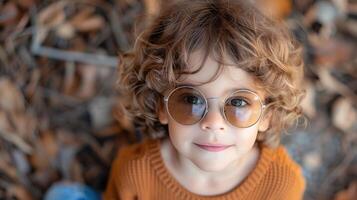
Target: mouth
x: 213, y: 147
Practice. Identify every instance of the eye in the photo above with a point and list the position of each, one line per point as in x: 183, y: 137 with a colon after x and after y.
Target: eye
x: 193, y: 99
x: 237, y: 102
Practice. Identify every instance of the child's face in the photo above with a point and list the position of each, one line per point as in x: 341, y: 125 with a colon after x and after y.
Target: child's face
x: 213, y: 128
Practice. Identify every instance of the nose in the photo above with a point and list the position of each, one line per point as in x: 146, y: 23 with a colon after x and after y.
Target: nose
x: 213, y: 120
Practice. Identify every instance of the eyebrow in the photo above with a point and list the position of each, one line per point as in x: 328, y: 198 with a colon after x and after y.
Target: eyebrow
x: 231, y: 90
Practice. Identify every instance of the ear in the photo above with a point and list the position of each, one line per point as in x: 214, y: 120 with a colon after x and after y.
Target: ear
x: 264, y: 122
x: 162, y: 114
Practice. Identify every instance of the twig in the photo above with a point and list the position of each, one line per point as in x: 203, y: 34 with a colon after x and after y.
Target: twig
x: 116, y: 27
x: 132, y: 13
x: 65, y: 99
x: 3, y: 56
x: 17, y: 141
x: 72, y: 56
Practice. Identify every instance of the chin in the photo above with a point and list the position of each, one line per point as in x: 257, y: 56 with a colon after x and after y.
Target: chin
x: 211, y: 167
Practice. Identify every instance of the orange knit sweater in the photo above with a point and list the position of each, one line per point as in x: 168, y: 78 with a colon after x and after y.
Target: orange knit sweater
x: 139, y: 173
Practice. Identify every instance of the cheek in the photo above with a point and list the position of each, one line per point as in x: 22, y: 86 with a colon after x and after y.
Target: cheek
x: 180, y: 135
x: 246, y: 137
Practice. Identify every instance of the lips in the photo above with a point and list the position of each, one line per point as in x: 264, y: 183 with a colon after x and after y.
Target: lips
x: 213, y: 147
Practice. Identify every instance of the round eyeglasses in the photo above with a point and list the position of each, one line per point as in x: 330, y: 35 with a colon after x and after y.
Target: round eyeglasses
x: 187, y: 105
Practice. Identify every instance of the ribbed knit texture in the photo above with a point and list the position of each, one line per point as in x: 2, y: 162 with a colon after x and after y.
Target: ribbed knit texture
x: 139, y: 173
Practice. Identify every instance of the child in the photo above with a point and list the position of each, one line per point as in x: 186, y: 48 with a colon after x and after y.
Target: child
x: 215, y: 82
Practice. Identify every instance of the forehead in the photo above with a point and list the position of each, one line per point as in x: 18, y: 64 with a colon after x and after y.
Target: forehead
x: 229, y: 78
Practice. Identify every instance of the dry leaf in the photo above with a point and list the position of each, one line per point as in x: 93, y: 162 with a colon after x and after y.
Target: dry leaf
x: 26, y: 3
x: 350, y: 26
x: 39, y: 161
x: 101, y: 112
x: 5, y: 125
x: 24, y: 124
x: 312, y: 160
x: 308, y: 103
x: 332, y: 51
x: 17, y: 141
x: 352, y: 7
x: 67, y: 138
x: 70, y: 79
x: 7, y: 132
x: 12, y: 111
x: 152, y: 7
x: 91, y: 24
x: 330, y: 83
x: 344, y: 116
x: 17, y: 191
x: 106, y: 150
x: 119, y: 112
x: 95, y: 147
x: 83, y: 14
x: 52, y: 16
x: 109, y: 131
x: 46, y: 150
x: 85, y: 21
x: 88, y: 74
x: 9, y: 170
x: 8, y: 14
x: 11, y: 99
x: 349, y: 194
x: 44, y: 178
x: 34, y: 80
x: 65, y: 31
x: 341, y: 5
x: 49, y: 143
x: 277, y: 9
x: 76, y: 172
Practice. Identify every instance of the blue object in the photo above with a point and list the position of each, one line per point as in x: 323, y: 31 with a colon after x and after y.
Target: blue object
x: 71, y: 191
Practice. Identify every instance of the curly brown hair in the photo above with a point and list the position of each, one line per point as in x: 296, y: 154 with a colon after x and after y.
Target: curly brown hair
x: 257, y: 44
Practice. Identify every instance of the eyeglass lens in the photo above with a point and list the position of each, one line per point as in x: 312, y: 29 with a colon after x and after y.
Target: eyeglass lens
x: 188, y: 106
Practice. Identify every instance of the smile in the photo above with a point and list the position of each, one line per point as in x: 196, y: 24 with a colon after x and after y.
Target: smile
x: 213, y: 148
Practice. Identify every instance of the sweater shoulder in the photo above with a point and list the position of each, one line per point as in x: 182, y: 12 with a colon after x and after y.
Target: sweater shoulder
x: 134, y: 152
x: 129, y: 164
x: 291, y: 172
x: 131, y: 161
x: 283, y: 159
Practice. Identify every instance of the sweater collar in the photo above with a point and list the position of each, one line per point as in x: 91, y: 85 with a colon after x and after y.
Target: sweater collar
x: 246, y: 186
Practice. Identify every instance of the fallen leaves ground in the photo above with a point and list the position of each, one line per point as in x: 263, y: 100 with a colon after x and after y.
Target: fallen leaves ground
x: 60, y: 114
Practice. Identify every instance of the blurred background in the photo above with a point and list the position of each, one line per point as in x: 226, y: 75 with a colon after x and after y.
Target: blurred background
x: 60, y: 116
